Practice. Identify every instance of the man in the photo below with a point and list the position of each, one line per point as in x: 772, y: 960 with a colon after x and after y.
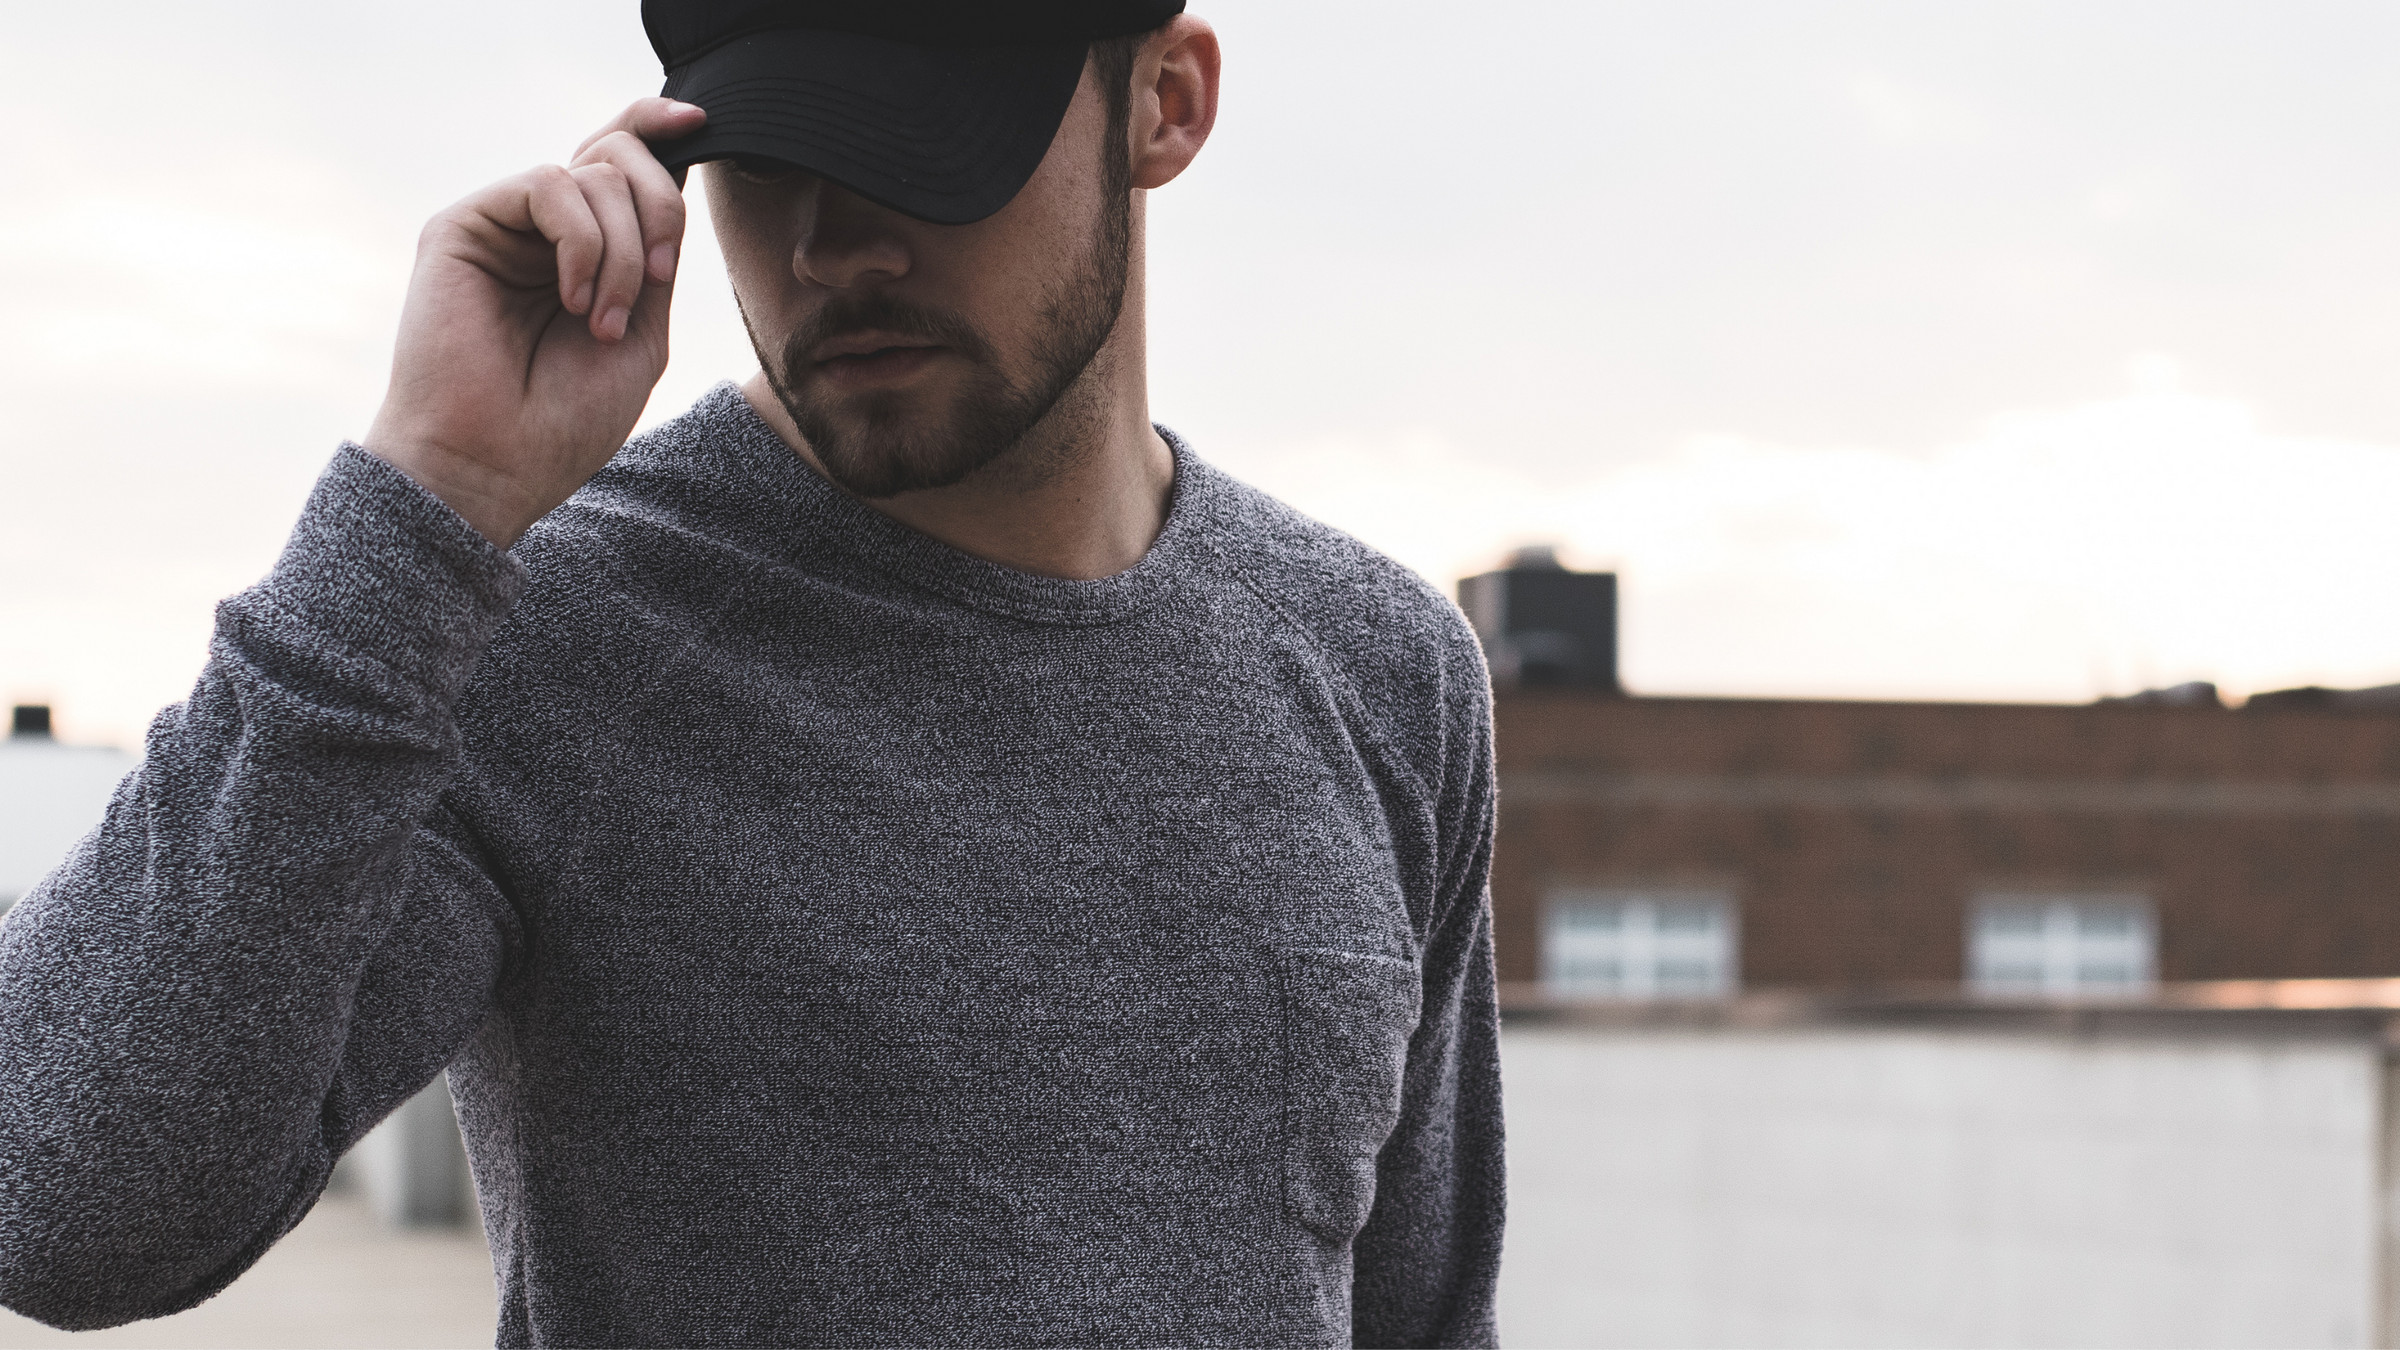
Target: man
x: 905, y: 853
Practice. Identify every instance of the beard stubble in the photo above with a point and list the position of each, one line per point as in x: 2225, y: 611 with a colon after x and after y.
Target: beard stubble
x: 891, y: 451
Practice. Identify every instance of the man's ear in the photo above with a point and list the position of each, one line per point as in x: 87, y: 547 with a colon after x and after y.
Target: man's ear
x: 1174, y: 100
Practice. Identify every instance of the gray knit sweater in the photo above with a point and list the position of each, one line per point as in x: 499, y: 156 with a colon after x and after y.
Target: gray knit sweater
x: 833, y: 939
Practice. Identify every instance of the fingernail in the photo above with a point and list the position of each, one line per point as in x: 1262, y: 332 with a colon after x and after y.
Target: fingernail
x: 679, y: 107
x: 612, y: 324
x: 662, y: 262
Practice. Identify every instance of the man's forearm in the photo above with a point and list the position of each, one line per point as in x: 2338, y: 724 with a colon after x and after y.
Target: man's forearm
x: 176, y: 1000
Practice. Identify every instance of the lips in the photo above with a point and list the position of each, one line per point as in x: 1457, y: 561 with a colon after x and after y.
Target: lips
x: 859, y: 346
x: 872, y: 366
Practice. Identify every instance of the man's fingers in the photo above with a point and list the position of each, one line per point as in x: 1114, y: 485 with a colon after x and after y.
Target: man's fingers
x: 651, y: 119
x: 609, y: 195
x: 656, y: 198
x: 590, y: 217
x: 554, y: 204
x: 664, y: 119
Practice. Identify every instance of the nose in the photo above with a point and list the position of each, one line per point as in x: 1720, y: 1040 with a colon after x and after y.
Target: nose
x: 846, y: 240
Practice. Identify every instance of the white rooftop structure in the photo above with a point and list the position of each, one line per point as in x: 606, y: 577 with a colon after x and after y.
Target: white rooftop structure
x: 51, y: 795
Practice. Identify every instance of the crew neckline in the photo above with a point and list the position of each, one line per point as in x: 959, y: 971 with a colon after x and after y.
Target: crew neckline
x: 886, y: 545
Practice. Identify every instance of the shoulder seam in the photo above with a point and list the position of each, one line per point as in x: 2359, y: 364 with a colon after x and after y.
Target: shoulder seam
x: 1385, y: 758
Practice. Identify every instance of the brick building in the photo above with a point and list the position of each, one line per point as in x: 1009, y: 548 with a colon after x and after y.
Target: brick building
x: 1662, y: 847
x: 1851, y: 844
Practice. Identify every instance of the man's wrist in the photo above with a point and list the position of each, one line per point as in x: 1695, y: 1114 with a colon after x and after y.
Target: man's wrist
x: 490, y: 501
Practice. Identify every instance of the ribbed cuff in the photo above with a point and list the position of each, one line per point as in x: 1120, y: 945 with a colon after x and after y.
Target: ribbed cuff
x: 387, y: 570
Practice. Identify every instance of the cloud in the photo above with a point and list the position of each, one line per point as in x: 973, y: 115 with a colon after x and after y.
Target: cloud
x: 1910, y: 116
x: 2058, y: 554
x: 190, y: 294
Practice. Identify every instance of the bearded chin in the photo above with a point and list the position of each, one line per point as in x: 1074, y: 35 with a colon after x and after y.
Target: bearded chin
x: 890, y: 443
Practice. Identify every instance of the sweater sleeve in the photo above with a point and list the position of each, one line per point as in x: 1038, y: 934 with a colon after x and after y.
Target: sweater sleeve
x: 278, y: 932
x: 1426, y: 1266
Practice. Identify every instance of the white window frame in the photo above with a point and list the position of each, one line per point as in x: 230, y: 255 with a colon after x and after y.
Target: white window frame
x: 1667, y: 942
x: 2062, y: 944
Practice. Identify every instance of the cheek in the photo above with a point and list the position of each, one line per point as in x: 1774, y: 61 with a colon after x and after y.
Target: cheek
x: 1052, y: 236
x: 1018, y: 264
x: 751, y: 236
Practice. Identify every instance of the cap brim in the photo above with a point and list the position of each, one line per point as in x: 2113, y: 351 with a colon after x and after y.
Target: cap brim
x: 946, y: 135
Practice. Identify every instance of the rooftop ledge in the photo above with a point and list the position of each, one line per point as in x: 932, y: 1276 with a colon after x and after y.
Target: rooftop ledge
x: 2329, y: 1009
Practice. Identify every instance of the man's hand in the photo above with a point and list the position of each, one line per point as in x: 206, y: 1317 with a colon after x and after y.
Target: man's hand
x: 535, y: 326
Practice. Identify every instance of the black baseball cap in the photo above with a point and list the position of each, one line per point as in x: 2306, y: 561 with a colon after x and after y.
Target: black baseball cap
x: 938, y: 109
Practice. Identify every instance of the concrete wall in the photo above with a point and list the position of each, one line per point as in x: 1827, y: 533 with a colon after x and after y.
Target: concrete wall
x: 51, y: 795
x: 413, y: 1166
x: 1873, y: 1187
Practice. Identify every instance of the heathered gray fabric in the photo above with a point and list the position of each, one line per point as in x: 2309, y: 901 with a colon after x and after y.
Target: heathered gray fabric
x: 834, y: 939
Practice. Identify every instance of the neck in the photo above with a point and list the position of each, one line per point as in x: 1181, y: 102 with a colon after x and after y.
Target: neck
x: 1082, y: 497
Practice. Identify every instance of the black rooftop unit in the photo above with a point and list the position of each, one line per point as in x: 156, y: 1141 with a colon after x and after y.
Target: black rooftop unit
x: 1544, y: 627
x: 2381, y: 698
x: 30, y: 719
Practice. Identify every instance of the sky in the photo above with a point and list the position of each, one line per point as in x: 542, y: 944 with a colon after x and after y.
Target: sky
x: 2009, y: 350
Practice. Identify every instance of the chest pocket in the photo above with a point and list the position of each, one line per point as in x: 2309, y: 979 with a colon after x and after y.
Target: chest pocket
x: 1347, y: 1020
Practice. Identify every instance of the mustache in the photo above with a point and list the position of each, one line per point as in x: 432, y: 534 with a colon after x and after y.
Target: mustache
x: 883, y: 313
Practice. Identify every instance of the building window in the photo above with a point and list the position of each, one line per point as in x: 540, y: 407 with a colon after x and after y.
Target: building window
x: 2062, y: 944
x: 1639, y: 944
